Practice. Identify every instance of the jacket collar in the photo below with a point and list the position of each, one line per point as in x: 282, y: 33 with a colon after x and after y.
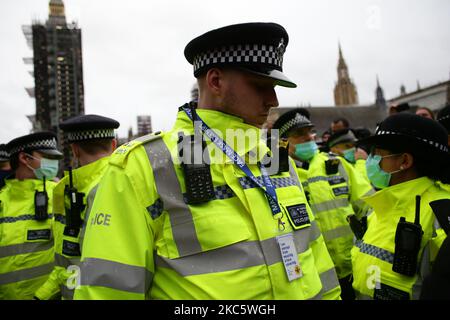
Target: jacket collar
x: 395, y: 197
x: 84, y: 175
x: 228, y: 127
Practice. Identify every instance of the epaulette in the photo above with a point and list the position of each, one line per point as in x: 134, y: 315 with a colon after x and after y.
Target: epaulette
x: 332, y: 154
x: 119, y: 156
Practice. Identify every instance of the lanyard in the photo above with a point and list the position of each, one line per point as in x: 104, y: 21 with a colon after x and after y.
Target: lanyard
x: 269, y: 190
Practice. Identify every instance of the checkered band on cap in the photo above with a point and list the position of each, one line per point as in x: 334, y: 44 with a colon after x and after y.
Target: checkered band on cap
x: 91, y: 134
x: 258, y: 54
x: 4, y: 154
x: 434, y: 144
x: 299, y: 119
x: 35, y: 145
x: 444, y: 118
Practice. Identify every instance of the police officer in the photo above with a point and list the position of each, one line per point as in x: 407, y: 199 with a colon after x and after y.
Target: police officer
x: 411, y: 211
x: 334, y: 189
x: 343, y: 143
x: 5, y: 168
x: 167, y: 224
x: 92, y: 140
x: 26, y: 241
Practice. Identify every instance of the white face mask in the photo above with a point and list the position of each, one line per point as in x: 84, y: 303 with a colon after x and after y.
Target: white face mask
x: 48, y: 168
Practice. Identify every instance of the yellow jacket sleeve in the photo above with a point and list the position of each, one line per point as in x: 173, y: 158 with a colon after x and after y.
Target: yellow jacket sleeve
x: 117, y: 253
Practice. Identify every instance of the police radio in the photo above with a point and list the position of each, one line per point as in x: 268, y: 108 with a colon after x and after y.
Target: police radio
x: 197, y: 175
x: 408, y: 237
x: 41, y: 204
x: 279, y: 162
x: 73, y: 213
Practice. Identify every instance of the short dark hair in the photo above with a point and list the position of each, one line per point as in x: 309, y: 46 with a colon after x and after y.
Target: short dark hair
x: 95, y: 146
x: 343, y: 120
x: 14, y: 161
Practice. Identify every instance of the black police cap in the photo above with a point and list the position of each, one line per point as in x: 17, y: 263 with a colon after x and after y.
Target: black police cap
x: 443, y: 117
x: 341, y: 136
x: 292, y: 119
x: 256, y: 47
x: 4, y: 154
x: 44, y: 142
x: 89, y: 127
x: 409, y: 132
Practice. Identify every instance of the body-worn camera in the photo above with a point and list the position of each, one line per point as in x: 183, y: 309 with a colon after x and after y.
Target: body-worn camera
x: 279, y: 161
x: 73, y: 213
x: 332, y: 166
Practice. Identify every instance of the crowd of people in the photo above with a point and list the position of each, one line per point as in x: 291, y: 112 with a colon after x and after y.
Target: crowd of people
x: 354, y: 215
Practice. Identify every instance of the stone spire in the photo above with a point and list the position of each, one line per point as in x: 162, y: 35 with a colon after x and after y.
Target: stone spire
x: 345, y: 91
x: 380, y: 101
x: 402, y: 90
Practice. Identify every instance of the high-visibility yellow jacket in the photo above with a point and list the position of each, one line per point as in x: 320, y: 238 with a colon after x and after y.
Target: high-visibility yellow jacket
x: 360, y: 166
x: 26, y: 245
x: 144, y: 241
x: 332, y: 198
x: 372, y: 257
x: 67, y: 245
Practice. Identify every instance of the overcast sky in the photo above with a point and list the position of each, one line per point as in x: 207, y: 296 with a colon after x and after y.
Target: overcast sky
x: 134, y: 64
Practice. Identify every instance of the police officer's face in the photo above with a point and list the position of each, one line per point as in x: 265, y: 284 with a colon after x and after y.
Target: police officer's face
x: 248, y: 96
x: 298, y: 136
x: 341, y: 147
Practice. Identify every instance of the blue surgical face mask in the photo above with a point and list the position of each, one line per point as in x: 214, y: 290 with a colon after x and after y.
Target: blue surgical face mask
x: 349, y: 155
x: 306, y: 151
x: 48, y: 169
x: 377, y: 176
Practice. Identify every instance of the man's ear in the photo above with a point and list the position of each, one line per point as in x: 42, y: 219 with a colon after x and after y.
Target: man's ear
x: 214, y: 80
x: 407, y: 161
x: 113, y: 144
x: 23, y: 158
x: 75, y: 150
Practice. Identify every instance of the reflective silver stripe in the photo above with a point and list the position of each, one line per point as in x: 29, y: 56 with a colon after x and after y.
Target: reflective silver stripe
x: 66, y: 292
x: 26, y: 274
x: 436, y: 226
x: 28, y: 247
x: 317, y: 296
x: 89, y: 204
x: 237, y: 256
x: 360, y: 296
x: 339, y: 232
x: 362, y: 207
x: 302, y: 240
x: 64, y: 262
x: 375, y: 251
x: 115, y: 275
x: 329, y: 205
x: 425, y: 270
x: 169, y: 190
x: 294, y: 175
x: 329, y: 280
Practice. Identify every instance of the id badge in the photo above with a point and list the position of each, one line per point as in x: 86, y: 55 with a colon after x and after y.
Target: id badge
x: 289, y: 256
x: 298, y: 216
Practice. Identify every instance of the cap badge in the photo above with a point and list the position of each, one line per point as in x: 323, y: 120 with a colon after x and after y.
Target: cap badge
x: 281, y: 49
